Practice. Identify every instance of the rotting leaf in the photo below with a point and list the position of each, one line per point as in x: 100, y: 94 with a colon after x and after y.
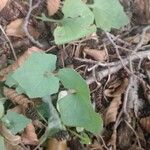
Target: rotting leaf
x: 79, y: 99
x: 16, y: 98
x: 36, y: 80
x: 77, y: 22
x: 53, y: 6
x: 15, y: 28
x: 109, y: 14
x: 112, y: 110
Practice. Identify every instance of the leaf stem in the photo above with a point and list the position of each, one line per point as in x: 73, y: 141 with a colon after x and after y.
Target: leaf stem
x: 44, y: 18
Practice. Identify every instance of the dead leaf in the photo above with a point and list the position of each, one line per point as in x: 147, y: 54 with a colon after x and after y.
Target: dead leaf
x: 15, y: 28
x: 99, y: 55
x: 4, y: 72
x: 29, y: 136
x: 54, y: 144
x: 137, y: 38
x: 112, y: 110
x: 10, y: 138
x: 16, y: 109
x: 124, y: 136
x: 3, y: 4
x: 116, y: 88
x: 16, y: 98
x: 145, y: 123
x: 141, y: 11
x: 53, y: 6
x: 8, y: 146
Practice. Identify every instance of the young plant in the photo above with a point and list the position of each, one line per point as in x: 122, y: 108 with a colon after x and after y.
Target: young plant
x: 81, y: 19
x: 36, y: 78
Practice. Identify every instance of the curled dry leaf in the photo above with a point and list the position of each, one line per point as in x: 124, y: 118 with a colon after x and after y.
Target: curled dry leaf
x: 3, y: 4
x: 116, y: 88
x: 145, y: 123
x: 10, y: 138
x: 29, y: 136
x: 19, y: 99
x: 141, y: 10
x: 8, y: 146
x: 146, y: 88
x: 112, y: 110
x: 4, y: 72
x: 53, y: 6
x: 16, y: 109
x: 15, y: 28
x: 137, y: 38
x: 99, y: 55
x: 54, y: 144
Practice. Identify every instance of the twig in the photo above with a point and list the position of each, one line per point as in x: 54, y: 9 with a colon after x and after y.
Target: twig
x: 11, y: 46
x: 113, y: 69
x: 25, y: 27
x: 117, y: 52
x: 139, y: 45
x: 137, y: 137
x: 124, y: 107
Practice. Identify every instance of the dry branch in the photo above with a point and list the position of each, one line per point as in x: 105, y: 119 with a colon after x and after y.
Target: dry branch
x: 118, y: 65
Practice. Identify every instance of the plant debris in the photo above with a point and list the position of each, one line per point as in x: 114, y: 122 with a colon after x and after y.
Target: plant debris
x: 75, y: 74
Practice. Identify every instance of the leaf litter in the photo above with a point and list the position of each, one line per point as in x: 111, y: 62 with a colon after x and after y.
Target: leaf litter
x: 115, y: 66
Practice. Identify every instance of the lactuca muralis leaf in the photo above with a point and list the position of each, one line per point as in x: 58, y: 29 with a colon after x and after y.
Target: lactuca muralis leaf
x: 35, y: 77
x: 77, y: 22
x: 109, y: 14
x: 15, y: 122
x: 75, y: 108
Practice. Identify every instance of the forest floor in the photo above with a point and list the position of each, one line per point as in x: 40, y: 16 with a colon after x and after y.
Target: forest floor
x: 116, y: 66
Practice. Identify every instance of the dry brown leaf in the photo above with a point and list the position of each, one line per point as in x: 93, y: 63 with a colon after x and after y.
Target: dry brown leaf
x: 141, y: 10
x: 15, y: 28
x: 113, y: 140
x: 145, y: 123
x: 29, y: 136
x: 19, y: 99
x: 112, y: 110
x: 99, y: 55
x: 9, y: 137
x: 3, y: 4
x: 4, y: 72
x: 137, y: 38
x: 53, y: 6
x: 116, y: 88
x: 16, y: 109
x: 8, y: 146
x: 54, y: 144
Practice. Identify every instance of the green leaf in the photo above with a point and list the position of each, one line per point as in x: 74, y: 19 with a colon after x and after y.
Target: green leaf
x: 43, y: 109
x: 2, y: 143
x: 77, y: 22
x: 75, y: 108
x: 109, y: 14
x: 1, y: 108
x: 35, y: 77
x: 54, y: 123
x: 15, y: 122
